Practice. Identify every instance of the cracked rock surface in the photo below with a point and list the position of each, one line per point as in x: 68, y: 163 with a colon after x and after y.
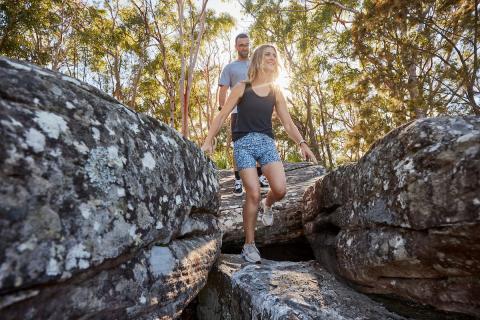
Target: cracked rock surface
x: 405, y: 219
x: 281, y: 290
x: 103, y: 210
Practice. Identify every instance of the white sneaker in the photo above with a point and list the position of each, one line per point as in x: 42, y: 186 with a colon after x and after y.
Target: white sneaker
x: 250, y: 253
x: 267, y: 213
x: 263, y: 182
x: 238, y: 188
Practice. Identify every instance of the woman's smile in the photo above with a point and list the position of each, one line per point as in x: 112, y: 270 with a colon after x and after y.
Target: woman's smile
x: 270, y: 59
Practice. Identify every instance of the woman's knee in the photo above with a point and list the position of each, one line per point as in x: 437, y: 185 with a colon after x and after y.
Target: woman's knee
x: 253, y: 196
x: 279, y: 192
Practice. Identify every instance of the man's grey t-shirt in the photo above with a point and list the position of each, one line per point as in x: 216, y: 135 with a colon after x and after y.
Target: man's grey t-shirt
x: 233, y: 73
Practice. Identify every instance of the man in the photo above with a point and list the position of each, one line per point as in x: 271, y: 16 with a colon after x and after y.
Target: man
x: 233, y: 73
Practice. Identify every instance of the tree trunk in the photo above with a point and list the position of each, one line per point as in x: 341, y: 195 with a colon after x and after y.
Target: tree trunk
x: 168, y: 84
x: 415, y: 102
x: 470, y: 91
x: 311, y: 130
x: 138, y: 74
x: 191, y: 67
x: 326, y: 137
x: 117, y: 93
x: 181, y: 84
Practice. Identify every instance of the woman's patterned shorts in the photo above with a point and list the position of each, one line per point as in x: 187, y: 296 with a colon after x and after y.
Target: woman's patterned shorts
x: 252, y: 148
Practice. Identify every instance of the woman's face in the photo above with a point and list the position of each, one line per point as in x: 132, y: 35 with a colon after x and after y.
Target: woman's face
x: 269, y: 60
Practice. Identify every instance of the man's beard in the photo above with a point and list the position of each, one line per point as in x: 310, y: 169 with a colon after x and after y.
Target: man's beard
x: 243, y: 54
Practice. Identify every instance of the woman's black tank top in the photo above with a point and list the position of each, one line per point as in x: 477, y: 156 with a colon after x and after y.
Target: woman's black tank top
x: 254, y: 113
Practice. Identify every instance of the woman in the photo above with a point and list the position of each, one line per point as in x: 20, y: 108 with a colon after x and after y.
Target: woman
x: 256, y: 99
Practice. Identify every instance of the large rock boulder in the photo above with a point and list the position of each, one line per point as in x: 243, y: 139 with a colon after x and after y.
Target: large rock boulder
x: 405, y: 219
x: 287, y: 226
x: 103, y: 211
x: 281, y: 290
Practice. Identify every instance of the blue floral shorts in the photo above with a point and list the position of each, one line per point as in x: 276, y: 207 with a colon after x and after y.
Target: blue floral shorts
x: 252, y: 148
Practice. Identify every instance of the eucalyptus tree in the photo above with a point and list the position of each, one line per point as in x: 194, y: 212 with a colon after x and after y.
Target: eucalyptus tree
x: 305, y: 32
x: 211, y: 59
x: 424, y: 54
x: 360, y: 69
x: 40, y: 31
x: 178, y: 30
x: 117, y: 46
x: 160, y: 21
x: 195, y: 27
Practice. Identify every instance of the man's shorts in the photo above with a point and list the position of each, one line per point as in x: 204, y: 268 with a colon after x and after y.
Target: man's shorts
x: 252, y: 148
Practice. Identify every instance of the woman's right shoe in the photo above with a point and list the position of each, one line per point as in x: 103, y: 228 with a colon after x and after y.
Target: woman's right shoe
x: 263, y: 182
x: 250, y: 253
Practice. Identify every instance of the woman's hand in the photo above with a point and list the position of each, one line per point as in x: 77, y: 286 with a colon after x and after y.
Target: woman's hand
x: 307, y: 154
x: 208, y: 147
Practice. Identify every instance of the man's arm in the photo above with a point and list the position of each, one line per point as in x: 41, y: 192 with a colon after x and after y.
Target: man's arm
x: 222, y: 96
x: 224, y: 84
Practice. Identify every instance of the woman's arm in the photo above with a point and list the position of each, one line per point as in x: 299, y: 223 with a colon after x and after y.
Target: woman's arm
x: 222, y: 96
x: 290, y: 127
x: 219, y: 119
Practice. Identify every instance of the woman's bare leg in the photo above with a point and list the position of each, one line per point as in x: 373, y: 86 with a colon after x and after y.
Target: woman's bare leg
x: 278, y: 182
x: 252, y: 199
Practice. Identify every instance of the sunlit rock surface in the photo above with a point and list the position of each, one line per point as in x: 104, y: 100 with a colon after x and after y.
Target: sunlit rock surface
x: 405, y: 219
x: 287, y: 226
x: 103, y: 211
x: 281, y: 290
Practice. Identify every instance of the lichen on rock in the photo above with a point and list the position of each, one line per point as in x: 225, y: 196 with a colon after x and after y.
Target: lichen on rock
x: 405, y: 219
x: 88, y: 184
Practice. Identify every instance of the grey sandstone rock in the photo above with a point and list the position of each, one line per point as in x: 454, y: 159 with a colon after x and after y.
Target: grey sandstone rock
x: 287, y: 225
x: 281, y: 290
x: 103, y: 211
x: 405, y: 219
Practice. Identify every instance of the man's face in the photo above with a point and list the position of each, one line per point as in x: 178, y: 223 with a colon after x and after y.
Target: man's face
x: 243, y: 47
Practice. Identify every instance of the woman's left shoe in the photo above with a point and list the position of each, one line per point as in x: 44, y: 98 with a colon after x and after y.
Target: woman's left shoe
x: 250, y: 253
x: 267, y: 213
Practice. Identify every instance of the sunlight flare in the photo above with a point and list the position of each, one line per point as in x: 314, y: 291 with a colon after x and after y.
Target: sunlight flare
x: 283, y: 79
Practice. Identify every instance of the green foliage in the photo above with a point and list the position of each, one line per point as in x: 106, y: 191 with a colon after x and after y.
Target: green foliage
x: 357, y: 74
x: 39, y: 30
x: 357, y: 69
x: 221, y: 160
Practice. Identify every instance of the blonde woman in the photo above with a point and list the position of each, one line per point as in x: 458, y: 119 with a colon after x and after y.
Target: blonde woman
x: 253, y: 139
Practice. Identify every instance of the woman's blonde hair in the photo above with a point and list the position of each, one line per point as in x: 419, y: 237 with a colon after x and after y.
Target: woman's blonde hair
x: 256, y: 62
